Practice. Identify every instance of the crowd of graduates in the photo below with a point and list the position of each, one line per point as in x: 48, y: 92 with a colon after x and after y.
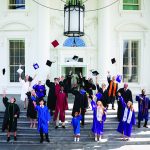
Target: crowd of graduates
x: 41, y: 111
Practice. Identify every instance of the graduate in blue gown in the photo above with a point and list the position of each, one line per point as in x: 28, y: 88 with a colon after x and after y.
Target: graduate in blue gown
x: 76, y: 126
x: 127, y: 121
x: 40, y: 90
x: 43, y: 119
x: 143, y: 106
x: 99, y: 117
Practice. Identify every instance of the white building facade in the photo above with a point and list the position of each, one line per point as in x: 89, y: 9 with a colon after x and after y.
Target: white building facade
x: 121, y: 31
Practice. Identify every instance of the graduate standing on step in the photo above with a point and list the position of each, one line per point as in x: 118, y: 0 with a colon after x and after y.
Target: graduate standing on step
x: 80, y: 102
x: 31, y: 112
x: 127, y: 121
x: 10, y: 117
x: 54, y: 88
x: 61, y: 106
x: 25, y: 88
x: 104, y: 92
x: 99, y: 117
x: 112, y: 89
x: 43, y: 119
x: 126, y: 93
x: 143, y: 106
x: 120, y: 107
x: 76, y: 126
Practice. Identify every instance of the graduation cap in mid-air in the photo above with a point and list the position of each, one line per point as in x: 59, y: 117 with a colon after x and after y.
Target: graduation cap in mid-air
x: 55, y: 43
x: 119, y: 78
x: 113, y: 60
x: 75, y: 57
x: 49, y: 63
x: 3, y: 71
x: 35, y: 66
x: 30, y: 79
x: 95, y: 73
x: 20, y: 71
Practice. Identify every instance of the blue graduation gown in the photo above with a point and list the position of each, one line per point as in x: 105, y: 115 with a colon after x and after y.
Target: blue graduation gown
x: 142, y: 107
x: 40, y: 90
x: 76, y: 124
x: 97, y: 126
x: 124, y: 127
x: 43, y: 118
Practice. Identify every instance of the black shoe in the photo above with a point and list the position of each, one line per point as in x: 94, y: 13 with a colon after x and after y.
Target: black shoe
x: 48, y: 140
x: 56, y: 127
x: 41, y: 140
x: 15, y: 138
x: 8, y: 139
x: 63, y: 127
x: 145, y: 126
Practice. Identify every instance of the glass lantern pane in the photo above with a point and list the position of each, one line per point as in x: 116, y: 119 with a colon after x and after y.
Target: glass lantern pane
x: 74, y: 20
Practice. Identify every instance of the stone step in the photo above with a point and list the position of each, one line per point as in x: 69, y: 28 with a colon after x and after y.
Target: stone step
x: 69, y: 133
x: 69, y: 112
x: 85, y: 130
x: 83, y: 141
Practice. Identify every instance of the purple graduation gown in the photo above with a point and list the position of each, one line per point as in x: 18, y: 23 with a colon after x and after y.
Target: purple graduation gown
x: 40, y: 90
x: 76, y: 124
x: 124, y: 127
x: 142, y: 107
x: 43, y: 118
x: 97, y: 127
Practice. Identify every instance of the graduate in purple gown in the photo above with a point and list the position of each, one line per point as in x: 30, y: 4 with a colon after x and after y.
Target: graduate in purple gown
x: 40, y: 90
x: 143, y: 105
x: 127, y: 121
x: 76, y: 126
x: 43, y: 119
x: 99, y: 116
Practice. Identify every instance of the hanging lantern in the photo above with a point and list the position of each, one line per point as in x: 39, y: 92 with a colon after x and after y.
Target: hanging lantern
x: 74, y: 18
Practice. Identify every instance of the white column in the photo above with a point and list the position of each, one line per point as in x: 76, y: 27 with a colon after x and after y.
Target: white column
x: 43, y: 39
x: 104, y: 40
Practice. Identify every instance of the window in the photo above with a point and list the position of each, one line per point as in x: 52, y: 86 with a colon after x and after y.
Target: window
x: 131, y: 4
x: 16, y: 4
x: 17, y: 57
x: 130, y: 61
x: 74, y: 42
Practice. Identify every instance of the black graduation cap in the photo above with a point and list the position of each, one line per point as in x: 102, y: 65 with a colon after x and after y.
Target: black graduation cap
x: 113, y: 60
x: 30, y: 79
x: 28, y: 94
x: 49, y: 63
x: 3, y: 71
x: 75, y: 57
x: 95, y: 73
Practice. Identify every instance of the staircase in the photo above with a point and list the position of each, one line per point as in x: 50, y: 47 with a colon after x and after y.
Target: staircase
x: 63, y: 138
